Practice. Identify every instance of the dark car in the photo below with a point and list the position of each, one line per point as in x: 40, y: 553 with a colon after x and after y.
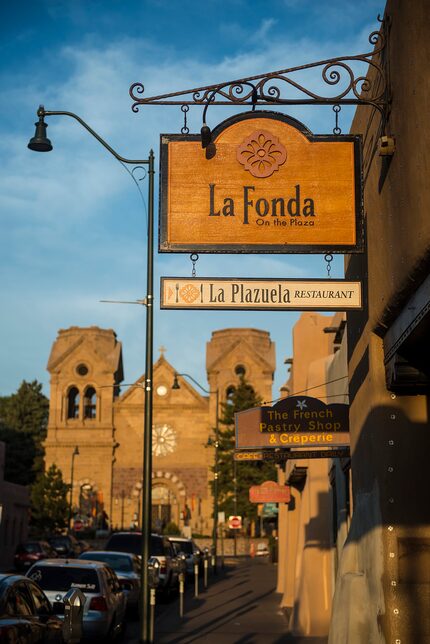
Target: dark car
x: 30, y: 551
x: 66, y: 545
x: 160, y: 548
x: 26, y: 614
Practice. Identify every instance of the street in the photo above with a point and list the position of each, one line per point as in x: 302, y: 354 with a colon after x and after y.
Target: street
x: 239, y: 606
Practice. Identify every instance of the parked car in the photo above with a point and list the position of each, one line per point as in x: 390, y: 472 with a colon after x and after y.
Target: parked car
x: 160, y: 548
x: 105, y: 602
x: 126, y: 567
x: 30, y: 551
x: 190, y: 549
x: 66, y: 545
x: 26, y: 614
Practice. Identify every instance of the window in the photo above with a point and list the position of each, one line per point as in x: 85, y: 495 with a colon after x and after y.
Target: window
x: 73, y: 403
x: 229, y: 393
x: 40, y: 600
x: 82, y: 369
x: 239, y: 370
x: 90, y: 403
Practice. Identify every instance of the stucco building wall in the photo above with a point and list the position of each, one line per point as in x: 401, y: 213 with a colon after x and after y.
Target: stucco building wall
x: 383, y: 583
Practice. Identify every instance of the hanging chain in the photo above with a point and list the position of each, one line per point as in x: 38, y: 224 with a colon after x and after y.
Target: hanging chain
x: 328, y: 257
x: 185, y: 129
x: 336, y: 110
x: 194, y: 258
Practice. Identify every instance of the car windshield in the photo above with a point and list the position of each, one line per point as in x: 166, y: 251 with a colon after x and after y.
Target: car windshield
x: 62, y: 578
x: 59, y: 541
x: 119, y: 563
x: 133, y: 543
x: 184, y: 546
x: 31, y: 547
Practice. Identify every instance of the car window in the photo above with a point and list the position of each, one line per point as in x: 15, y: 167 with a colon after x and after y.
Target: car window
x: 62, y: 578
x: 112, y: 580
x: 125, y: 543
x: 183, y: 546
x: 23, y: 605
x: 136, y: 565
x: 157, y: 548
x: 40, y: 601
x: 117, y: 561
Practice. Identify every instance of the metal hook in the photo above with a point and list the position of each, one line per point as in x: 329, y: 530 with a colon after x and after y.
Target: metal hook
x: 194, y: 258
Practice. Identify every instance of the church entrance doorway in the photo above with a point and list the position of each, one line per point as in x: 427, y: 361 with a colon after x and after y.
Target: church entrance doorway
x: 164, y: 507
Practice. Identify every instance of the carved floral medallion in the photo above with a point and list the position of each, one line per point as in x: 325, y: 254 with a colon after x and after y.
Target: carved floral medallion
x: 261, y: 153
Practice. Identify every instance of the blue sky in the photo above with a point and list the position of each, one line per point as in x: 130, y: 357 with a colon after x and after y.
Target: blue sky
x: 72, y: 223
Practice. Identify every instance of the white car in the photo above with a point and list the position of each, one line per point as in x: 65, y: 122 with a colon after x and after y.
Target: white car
x: 105, y: 602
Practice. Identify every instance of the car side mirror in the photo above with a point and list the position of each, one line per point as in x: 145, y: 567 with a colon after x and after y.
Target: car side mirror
x: 74, y: 601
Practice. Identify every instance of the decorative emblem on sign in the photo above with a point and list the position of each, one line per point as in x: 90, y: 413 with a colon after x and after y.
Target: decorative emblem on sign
x: 189, y: 293
x: 261, y: 154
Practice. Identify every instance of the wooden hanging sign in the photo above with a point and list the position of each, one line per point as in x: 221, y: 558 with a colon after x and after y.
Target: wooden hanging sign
x: 264, y: 184
x: 258, y: 294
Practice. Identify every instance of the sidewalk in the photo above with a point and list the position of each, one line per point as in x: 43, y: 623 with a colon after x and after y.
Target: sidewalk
x: 240, y: 606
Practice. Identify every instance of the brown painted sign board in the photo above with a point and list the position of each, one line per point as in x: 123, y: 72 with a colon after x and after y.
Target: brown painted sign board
x: 269, y: 492
x: 293, y: 422
x: 231, y: 293
x: 282, y: 455
x: 264, y: 184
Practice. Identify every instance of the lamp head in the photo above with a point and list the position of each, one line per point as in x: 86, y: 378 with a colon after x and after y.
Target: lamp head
x: 76, y: 451
x: 206, y: 135
x: 176, y: 384
x: 40, y: 142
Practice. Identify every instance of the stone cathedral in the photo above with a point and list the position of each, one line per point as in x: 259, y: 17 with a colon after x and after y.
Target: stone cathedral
x: 90, y: 412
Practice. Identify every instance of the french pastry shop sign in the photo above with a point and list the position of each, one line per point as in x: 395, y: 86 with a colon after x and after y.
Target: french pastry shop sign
x: 293, y: 422
x: 264, y: 184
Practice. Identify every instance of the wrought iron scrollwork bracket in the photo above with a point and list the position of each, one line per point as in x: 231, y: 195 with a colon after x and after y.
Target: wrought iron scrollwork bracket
x: 353, y: 87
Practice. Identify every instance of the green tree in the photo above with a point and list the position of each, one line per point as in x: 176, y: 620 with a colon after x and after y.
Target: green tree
x: 49, y: 501
x: 23, y: 426
x: 247, y: 473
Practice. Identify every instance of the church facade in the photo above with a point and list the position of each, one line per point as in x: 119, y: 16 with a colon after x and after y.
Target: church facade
x: 88, y: 411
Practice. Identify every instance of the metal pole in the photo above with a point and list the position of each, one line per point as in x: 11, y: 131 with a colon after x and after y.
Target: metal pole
x: 196, y: 580
x: 181, y: 594
x: 151, y: 624
x: 147, y: 442
x: 215, y: 528
x: 71, y: 486
x: 235, y: 505
x: 145, y: 629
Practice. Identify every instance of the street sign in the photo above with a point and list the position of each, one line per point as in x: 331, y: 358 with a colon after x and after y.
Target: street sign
x: 234, y: 522
x: 270, y: 510
x: 269, y: 492
x: 264, y: 184
x: 293, y: 422
x: 257, y: 294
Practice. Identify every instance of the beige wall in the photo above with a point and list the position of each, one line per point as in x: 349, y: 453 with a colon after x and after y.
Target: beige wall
x: 383, y: 584
x: 305, y: 573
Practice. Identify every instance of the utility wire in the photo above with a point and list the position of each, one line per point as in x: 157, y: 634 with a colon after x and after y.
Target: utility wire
x: 296, y: 393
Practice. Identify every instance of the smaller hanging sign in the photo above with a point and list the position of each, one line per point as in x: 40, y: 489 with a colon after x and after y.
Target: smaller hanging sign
x: 280, y: 456
x: 257, y: 294
x: 294, y: 422
x: 269, y: 492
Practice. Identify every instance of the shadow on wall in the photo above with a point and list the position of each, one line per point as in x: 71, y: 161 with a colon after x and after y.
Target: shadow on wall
x: 384, y: 568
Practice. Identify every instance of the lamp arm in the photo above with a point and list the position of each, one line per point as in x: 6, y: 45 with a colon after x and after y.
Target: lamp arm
x: 187, y: 375
x: 41, y: 112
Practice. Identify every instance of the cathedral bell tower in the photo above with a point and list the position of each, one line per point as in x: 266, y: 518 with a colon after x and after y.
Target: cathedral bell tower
x: 86, y: 369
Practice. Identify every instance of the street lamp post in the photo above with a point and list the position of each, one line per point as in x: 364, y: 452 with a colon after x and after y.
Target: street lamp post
x: 75, y: 453
x: 40, y: 143
x: 176, y: 385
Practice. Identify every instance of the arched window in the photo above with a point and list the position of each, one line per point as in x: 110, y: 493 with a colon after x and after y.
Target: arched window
x: 229, y: 393
x: 73, y: 403
x: 90, y: 403
x: 239, y: 370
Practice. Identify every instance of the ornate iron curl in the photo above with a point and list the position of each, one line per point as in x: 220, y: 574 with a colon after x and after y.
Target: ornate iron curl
x: 261, y: 90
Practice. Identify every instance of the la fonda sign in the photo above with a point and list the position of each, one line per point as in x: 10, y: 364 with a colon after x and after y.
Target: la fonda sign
x: 264, y: 184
